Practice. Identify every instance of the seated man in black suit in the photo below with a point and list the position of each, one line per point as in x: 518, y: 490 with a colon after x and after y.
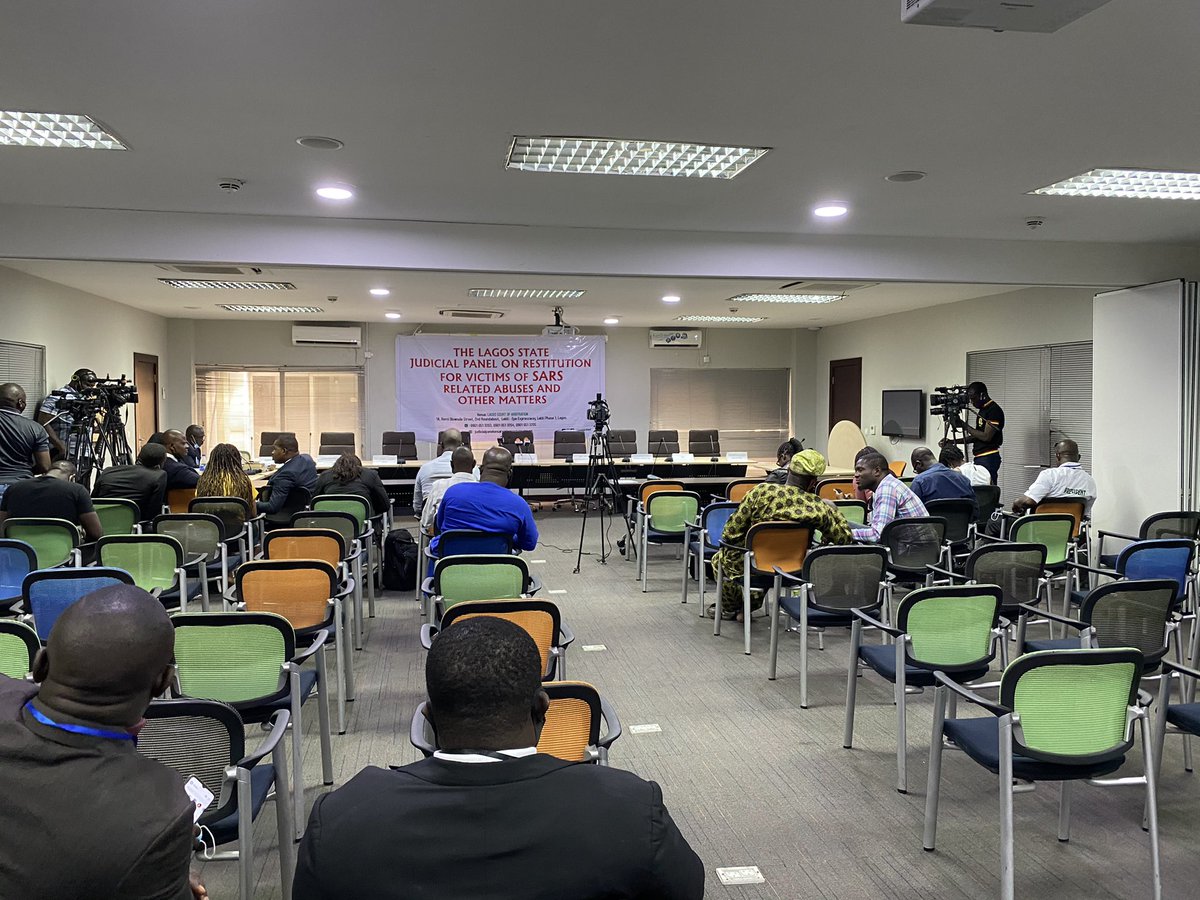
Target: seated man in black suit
x: 296, y: 470
x: 84, y: 814
x: 144, y: 482
x: 180, y: 473
x: 488, y: 816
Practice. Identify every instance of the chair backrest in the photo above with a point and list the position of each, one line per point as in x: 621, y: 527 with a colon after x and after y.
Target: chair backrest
x: 324, y: 544
x: 337, y: 442
x: 988, y: 498
x: 233, y: 512
x: 47, y: 592
x: 704, y: 442
x: 150, y: 558
x: 540, y: 618
x: 18, y: 645
x: 300, y: 590
x: 196, y: 737
x: 268, y: 441
x: 480, y: 577
x: 950, y: 627
x: 1052, y: 530
x: 1064, y: 506
x: 232, y: 657
x: 670, y: 511
x: 401, y: 444
x: 464, y: 542
x: 17, y: 559
x: 179, y: 499
x: 466, y: 439
x: 567, y: 443
x: 663, y: 441
x: 847, y: 577
x: 342, y: 522
x: 1131, y: 614
x: 648, y: 488
x: 516, y: 440
x: 196, y: 532
x: 959, y: 516
x: 1165, y: 558
x: 1073, y: 704
x: 835, y: 488
x: 1016, y: 569
x: 898, y: 466
x: 52, y: 540
x: 914, y: 543
x: 357, y: 506
x: 117, y: 516
x: 1174, y: 524
x: 713, y: 518
x: 778, y: 544
x: 572, y: 721
x: 622, y: 442
x: 853, y: 511
x: 736, y: 490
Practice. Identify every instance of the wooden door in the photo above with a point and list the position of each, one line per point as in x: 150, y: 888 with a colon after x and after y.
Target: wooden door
x: 845, y: 391
x: 145, y: 411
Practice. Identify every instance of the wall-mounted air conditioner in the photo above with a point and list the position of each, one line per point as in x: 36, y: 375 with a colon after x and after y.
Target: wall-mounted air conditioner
x: 327, y: 335
x: 676, y: 337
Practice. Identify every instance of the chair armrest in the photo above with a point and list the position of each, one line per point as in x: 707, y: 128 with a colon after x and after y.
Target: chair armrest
x: 346, y: 588
x: 1046, y: 614
x: 1169, y: 666
x: 991, y: 537
x: 1111, y: 573
x: 1144, y: 698
x: 319, y: 639
x: 967, y: 694
x: 427, y: 585
x: 871, y: 620
x: 726, y: 545
x: 1116, y: 534
x: 416, y: 732
x: 535, y: 584
x: 279, y: 726
x: 786, y: 577
x: 611, y: 721
x: 428, y: 633
x: 948, y: 574
x: 566, y: 636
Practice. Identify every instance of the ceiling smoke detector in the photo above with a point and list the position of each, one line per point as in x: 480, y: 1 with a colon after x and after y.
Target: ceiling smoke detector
x: 1033, y: 223
x: 231, y: 185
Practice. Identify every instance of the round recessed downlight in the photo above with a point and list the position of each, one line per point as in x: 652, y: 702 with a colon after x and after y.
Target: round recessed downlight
x: 671, y: 298
x: 335, y: 191
x: 831, y: 210
x: 392, y: 315
x: 904, y: 177
x: 379, y: 292
x: 315, y: 142
x: 611, y: 320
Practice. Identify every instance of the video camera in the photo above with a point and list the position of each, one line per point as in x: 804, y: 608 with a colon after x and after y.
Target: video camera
x: 948, y: 402
x: 597, y: 412
x: 102, y: 394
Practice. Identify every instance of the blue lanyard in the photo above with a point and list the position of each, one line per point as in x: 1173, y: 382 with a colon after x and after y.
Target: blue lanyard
x: 79, y: 729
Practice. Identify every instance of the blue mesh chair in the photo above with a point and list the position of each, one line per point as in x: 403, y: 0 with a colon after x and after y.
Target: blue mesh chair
x: 1170, y: 558
x: 46, y: 593
x: 462, y: 542
x: 702, y: 539
x: 17, y: 559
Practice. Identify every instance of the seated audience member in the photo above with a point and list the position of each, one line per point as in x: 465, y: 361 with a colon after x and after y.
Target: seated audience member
x: 296, y: 470
x: 84, y: 814
x: 892, y: 498
x: 859, y: 492
x: 488, y: 505
x: 462, y: 465
x: 435, y: 468
x: 952, y: 458
x: 935, y: 481
x: 783, y: 456
x: 54, y: 495
x: 225, y: 476
x: 179, y: 473
x: 24, y: 444
x: 144, y: 482
x: 487, y: 816
x: 790, y: 502
x: 348, y: 476
x: 195, y: 445
x: 1065, y: 481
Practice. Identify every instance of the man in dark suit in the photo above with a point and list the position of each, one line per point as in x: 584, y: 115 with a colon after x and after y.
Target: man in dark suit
x: 195, y: 445
x: 179, y: 473
x: 488, y: 816
x: 84, y: 814
x: 144, y: 482
x: 296, y: 470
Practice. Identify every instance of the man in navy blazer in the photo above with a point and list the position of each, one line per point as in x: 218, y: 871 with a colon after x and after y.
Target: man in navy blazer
x: 296, y: 470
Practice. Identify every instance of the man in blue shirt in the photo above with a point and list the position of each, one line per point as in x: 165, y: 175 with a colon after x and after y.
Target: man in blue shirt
x: 488, y: 505
x: 935, y: 481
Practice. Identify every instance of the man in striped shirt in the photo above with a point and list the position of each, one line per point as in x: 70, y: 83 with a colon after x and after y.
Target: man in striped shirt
x: 892, y: 497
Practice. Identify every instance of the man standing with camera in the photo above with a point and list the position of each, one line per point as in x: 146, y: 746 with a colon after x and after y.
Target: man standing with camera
x: 988, y: 433
x: 57, y: 412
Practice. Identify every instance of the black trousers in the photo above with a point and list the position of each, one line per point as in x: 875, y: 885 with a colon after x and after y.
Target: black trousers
x: 991, y: 462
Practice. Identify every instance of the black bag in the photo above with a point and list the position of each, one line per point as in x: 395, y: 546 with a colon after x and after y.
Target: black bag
x: 399, y: 561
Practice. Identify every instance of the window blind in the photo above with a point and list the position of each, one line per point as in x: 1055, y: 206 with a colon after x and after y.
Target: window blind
x: 25, y: 364
x: 749, y: 407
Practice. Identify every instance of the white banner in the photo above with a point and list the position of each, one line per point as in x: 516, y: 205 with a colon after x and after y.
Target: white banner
x: 486, y: 385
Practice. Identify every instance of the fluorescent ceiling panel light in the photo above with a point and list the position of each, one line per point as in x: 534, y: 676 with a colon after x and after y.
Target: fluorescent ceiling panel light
x: 42, y: 129
x: 611, y: 320
x: 255, y: 308
x: 735, y: 320
x: 335, y: 191
x: 671, y: 298
x: 785, y: 298
x: 391, y: 315
x: 379, y: 292
x: 1136, y: 184
x: 831, y: 210
x: 527, y: 293
x: 612, y: 156
x: 201, y: 283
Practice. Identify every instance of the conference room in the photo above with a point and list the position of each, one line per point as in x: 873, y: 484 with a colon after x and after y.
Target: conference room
x: 372, y: 230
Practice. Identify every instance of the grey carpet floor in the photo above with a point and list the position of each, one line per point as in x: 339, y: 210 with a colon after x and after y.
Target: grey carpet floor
x: 752, y: 779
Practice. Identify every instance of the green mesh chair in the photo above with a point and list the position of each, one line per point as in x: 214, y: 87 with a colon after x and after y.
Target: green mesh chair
x: 201, y: 536
x: 854, y: 511
x: 117, y: 516
x: 668, y: 514
x: 55, y: 542
x: 360, y: 508
x: 239, y: 521
x: 157, y: 564
x: 1055, y: 532
x: 249, y: 661
x: 345, y: 524
x: 18, y: 646
x: 478, y: 577
x: 953, y: 630
x: 1065, y: 716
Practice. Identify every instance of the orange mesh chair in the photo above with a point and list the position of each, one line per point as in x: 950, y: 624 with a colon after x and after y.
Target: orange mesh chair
x: 736, y: 490
x: 637, y: 508
x: 305, y: 592
x: 836, y: 489
x: 540, y: 619
x: 324, y: 544
x: 572, y: 729
x: 898, y: 467
x: 178, y: 499
x: 771, y: 548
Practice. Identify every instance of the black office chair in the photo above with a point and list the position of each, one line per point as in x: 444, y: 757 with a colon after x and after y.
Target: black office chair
x: 704, y: 442
x: 335, y: 443
x: 519, y: 441
x: 268, y: 440
x: 568, y: 443
x: 466, y: 439
x: 988, y: 498
x: 622, y: 443
x: 400, y: 444
x: 664, y: 443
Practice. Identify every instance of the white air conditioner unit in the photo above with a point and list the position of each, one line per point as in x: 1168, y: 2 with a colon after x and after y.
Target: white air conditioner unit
x: 1042, y: 16
x: 327, y: 335
x: 676, y: 337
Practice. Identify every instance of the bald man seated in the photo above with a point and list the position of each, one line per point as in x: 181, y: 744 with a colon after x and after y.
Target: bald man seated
x: 488, y: 505
x: 84, y: 814
x: 1065, y: 481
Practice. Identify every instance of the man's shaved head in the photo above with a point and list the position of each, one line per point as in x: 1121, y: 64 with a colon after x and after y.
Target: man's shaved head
x: 1067, y: 449
x: 12, y: 396
x: 496, y: 466
x: 451, y: 438
x: 922, y: 459
x: 462, y: 460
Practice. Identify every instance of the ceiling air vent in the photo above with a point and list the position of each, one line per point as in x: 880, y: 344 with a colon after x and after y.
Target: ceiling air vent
x: 825, y: 287
x: 246, y: 271
x: 471, y: 313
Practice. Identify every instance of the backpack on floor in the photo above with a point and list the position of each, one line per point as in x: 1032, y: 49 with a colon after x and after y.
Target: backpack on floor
x: 400, y: 561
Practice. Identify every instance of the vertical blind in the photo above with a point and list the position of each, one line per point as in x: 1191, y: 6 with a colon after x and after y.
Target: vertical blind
x: 236, y: 406
x: 25, y: 364
x: 749, y: 407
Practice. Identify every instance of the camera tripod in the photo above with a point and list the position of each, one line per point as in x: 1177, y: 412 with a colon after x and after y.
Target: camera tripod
x: 601, y: 483
x: 95, y: 436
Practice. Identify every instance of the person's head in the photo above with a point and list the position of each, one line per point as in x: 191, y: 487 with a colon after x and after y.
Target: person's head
x: 62, y: 470
x: 786, y: 451
x: 195, y: 434
x: 451, y: 439
x: 222, y: 459
x: 152, y: 456
x: 83, y: 378
x: 1066, y: 450
x: 804, y: 468
x: 462, y: 460
x: 346, y: 468
x: 865, y: 451
x: 951, y: 457
x: 496, y: 466
x: 12, y: 396
x: 157, y: 438
x: 175, y: 443
x: 870, y: 469
x: 284, y: 448
x: 484, y: 679
x: 977, y: 394
x: 922, y: 459
x: 108, y: 655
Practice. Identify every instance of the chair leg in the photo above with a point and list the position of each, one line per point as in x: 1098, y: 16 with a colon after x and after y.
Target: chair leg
x: 345, y: 646
x: 852, y: 684
x: 746, y: 609
x: 297, y: 758
x: 358, y: 602
x: 1064, y: 811
x: 803, y: 647
x: 203, y: 573
x: 687, y: 559
x: 340, y: 672
x: 323, y: 719
x: 246, y: 869
x: 1151, y: 805
x: 934, y: 786
x: 719, y: 583
x: 370, y: 542
x: 901, y: 721
x: 1006, y: 810
x: 703, y: 577
x: 283, y: 819
x: 773, y: 650
x: 642, y: 559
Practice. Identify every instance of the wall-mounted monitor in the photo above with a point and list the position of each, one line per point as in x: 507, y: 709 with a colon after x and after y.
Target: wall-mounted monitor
x: 904, y: 414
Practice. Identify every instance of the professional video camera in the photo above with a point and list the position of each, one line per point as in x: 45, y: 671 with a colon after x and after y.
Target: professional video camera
x: 948, y: 402
x: 598, y: 413
x: 97, y: 435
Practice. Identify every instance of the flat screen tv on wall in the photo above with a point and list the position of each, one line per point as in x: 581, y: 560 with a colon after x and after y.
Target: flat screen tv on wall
x: 904, y: 414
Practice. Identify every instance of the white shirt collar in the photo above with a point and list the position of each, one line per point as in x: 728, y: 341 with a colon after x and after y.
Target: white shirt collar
x: 477, y: 758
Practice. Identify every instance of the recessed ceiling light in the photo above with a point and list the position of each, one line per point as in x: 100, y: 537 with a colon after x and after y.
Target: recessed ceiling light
x: 379, y: 292
x: 200, y: 283
x: 43, y: 129
x: 528, y: 293
x: 391, y: 315
x: 735, y: 320
x: 831, y: 210
x: 255, y: 308
x: 614, y: 156
x: 335, y: 191
x: 671, y: 298
x: 904, y: 177
x: 1137, y: 184
x: 191, y: 307
x: 611, y: 320
x: 786, y: 298
x: 314, y: 142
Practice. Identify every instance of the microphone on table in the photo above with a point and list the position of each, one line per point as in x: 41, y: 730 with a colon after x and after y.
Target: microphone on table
x: 662, y: 445
x: 712, y: 445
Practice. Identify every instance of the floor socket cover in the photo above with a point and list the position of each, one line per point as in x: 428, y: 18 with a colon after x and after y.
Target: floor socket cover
x: 645, y: 729
x: 588, y: 648
x: 740, y: 874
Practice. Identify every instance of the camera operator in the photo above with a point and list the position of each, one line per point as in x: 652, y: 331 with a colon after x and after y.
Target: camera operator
x: 61, y: 404
x: 988, y: 432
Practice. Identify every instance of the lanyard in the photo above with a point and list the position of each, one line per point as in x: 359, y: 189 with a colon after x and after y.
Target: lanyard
x: 79, y: 729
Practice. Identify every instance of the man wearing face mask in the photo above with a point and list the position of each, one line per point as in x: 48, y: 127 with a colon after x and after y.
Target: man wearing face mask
x: 488, y: 505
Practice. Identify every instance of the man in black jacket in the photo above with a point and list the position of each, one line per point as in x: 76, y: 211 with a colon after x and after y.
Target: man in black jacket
x: 180, y: 473
x: 144, y: 482
x: 296, y: 470
x: 488, y: 816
